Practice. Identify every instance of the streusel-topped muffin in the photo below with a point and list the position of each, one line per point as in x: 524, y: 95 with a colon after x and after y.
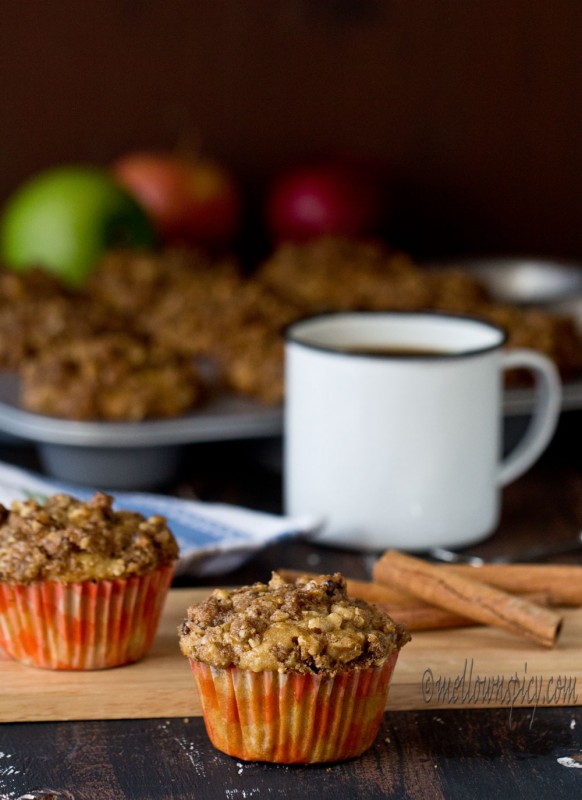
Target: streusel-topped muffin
x: 117, y: 377
x: 82, y: 585
x: 291, y: 673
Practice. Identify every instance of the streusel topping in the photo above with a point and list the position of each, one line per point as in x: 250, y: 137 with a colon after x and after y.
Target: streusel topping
x: 310, y: 625
x: 67, y: 540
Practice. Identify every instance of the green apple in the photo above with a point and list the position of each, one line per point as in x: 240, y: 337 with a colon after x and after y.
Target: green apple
x: 63, y: 220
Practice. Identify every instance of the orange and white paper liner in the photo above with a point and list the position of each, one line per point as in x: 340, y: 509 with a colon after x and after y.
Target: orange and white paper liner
x: 292, y: 718
x: 87, y: 625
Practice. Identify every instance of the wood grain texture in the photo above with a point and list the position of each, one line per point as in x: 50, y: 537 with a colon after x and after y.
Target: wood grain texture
x: 162, y: 685
x: 479, y: 753
x: 417, y: 755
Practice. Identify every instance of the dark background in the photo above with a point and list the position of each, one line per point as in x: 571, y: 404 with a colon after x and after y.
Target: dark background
x: 476, y: 105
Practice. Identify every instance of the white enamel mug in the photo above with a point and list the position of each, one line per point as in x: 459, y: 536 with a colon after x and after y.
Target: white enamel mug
x: 402, y: 449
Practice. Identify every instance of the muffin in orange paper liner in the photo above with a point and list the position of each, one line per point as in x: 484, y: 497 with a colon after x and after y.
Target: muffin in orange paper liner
x: 291, y: 673
x: 81, y: 586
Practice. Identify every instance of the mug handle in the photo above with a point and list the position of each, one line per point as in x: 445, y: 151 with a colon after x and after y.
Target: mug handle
x: 548, y: 395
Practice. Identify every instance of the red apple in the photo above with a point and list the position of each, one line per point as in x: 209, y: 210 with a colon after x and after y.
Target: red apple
x: 343, y: 197
x: 189, y: 200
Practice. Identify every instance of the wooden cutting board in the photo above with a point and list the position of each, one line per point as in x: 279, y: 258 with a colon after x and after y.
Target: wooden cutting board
x: 470, y: 667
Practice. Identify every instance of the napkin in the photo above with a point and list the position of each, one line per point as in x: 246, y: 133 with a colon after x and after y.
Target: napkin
x: 214, y: 538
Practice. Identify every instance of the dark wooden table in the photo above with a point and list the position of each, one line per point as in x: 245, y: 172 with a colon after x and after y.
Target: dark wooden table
x: 480, y: 753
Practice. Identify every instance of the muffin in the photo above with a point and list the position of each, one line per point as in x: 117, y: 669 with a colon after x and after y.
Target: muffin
x: 82, y: 586
x: 115, y: 377
x: 291, y: 672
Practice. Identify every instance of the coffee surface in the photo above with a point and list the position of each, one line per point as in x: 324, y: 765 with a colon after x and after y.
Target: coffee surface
x: 394, y: 350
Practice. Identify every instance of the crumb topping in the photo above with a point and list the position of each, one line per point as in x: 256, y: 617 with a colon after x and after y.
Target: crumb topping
x: 110, y: 376
x: 67, y: 540
x: 310, y: 625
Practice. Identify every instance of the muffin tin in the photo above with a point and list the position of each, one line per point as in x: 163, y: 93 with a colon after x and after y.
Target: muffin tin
x: 130, y: 455
x: 142, y: 455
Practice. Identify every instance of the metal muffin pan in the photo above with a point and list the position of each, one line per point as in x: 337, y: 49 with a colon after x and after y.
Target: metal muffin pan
x: 142, y: 455
x: 130, y: 455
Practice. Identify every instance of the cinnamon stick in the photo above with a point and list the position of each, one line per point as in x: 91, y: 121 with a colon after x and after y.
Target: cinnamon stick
x: 424, y: 617
x: 467, y: 597
x: 420, y: 616
x: 561, y: 582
